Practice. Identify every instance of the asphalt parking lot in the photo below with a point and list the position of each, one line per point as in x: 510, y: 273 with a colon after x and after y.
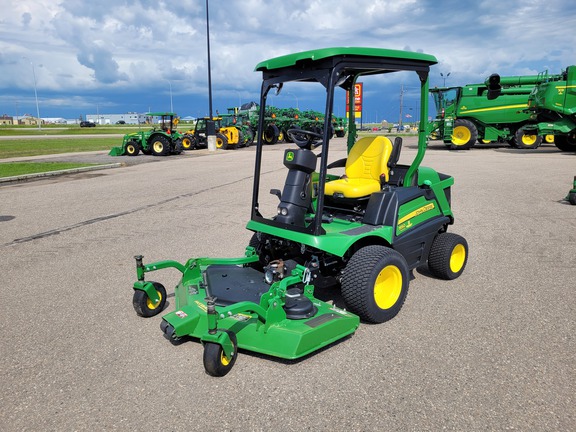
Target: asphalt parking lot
x: 492, y: 350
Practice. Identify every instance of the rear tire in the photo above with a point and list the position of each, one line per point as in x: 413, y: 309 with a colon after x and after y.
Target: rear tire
x: 249, y: 138
x: 464, y: 135
x: 448, y: 256
x: 375, y: 283
x: 565, y: 142
x: 160, y: 146
x: 187, y: 142
x: 270, y: 135
x: 178, y: 147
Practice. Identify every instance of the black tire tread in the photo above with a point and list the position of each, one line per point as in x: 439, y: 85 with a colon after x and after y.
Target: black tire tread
x: 440, y: 252
x: 356, y: 282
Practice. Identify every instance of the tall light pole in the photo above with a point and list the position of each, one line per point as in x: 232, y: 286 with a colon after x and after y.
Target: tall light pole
x: 210, y: 126
x: 39, y: 121
x: 444, y: 77
x: 171, y: 106
x: 295, y: 97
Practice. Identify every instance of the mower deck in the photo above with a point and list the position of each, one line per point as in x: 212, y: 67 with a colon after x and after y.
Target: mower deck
x: 283, y: 319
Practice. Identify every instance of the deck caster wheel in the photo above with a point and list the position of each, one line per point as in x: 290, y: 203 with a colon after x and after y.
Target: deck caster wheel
x: 215, y: 361
x: 448, y: 256
x: 145, y: 307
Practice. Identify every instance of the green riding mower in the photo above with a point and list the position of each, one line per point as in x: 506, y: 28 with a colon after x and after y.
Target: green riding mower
x: 162, y: 140
x: 363, y: 231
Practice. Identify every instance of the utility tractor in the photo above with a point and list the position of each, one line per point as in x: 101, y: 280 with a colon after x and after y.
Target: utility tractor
x: 359, y: 224
x: 226, y: 136
x: 162, y: 140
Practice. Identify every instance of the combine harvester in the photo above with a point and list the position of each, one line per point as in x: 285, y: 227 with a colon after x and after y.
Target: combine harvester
x: 519, y: 110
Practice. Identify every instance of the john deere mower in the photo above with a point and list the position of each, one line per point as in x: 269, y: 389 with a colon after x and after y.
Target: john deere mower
x: 162, y: 140
x: 362, y: 231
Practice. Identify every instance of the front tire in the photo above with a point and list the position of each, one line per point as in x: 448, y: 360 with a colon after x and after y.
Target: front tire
x: 221, y: 141
x: 527, y: 140
x: 448, y: 256
x: 145, y: 307
x: 464, y: 135
x: 132, y: 148
x: 215, y: 361
x: 375, y: 283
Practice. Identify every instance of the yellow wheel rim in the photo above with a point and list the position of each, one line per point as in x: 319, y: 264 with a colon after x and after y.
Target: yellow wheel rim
x: 388, y: 287
x: 223, y: 359
x: 281, y: 136
x: 153, y: 305
x: 457, y: 258
x: 461, y: 135
x: 158, y: 146
x: 186, y: 143
x: 219, y: 142
x: 529, y: 139
x: 549, y: 138
x: 131, y: 149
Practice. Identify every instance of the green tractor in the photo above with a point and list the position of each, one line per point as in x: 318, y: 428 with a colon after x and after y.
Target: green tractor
x: 363, y: 232
x: 161, y: 140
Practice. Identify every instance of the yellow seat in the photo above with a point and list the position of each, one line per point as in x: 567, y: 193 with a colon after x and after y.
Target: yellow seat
x: 366, y: 165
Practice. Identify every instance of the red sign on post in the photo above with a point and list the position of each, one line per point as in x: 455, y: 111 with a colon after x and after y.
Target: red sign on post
x: 358, y: 94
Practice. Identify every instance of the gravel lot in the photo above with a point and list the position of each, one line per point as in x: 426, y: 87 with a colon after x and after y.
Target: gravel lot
x: 492, y: 350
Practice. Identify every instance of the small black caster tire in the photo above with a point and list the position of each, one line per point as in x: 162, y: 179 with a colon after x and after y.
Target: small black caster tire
x: 215, y: 362
x: 145, y: 307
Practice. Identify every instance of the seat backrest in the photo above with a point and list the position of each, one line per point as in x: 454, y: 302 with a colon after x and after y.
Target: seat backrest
x: 368, y: 158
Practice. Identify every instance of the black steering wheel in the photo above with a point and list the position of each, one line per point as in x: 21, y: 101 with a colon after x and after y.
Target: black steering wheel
x: 305, y: 139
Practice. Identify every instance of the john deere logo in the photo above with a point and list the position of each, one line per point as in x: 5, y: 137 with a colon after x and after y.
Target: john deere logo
x: 289, y: 157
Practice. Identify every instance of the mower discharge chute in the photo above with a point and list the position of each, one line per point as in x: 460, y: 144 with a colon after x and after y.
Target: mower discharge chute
x: 364, y: 231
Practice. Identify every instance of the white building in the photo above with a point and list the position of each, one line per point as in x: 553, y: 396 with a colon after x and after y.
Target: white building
x: 128, y: 118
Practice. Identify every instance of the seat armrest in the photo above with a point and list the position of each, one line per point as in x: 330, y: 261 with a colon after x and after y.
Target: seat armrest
x: 340, y: 163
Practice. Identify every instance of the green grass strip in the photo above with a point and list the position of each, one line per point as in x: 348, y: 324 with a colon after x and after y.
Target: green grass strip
x: 38, y: 147
x: 11, y: 169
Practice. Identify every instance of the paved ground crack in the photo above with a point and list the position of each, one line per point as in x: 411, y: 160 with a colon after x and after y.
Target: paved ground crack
x: 57, y: 231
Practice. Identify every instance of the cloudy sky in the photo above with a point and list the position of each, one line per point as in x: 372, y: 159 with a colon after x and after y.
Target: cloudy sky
x: 126, y: 55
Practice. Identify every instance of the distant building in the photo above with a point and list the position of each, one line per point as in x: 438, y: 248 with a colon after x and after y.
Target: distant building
x: 6, y: 120
x: 29, y: 120
x: 54, y: 120
x: 128, y: 118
